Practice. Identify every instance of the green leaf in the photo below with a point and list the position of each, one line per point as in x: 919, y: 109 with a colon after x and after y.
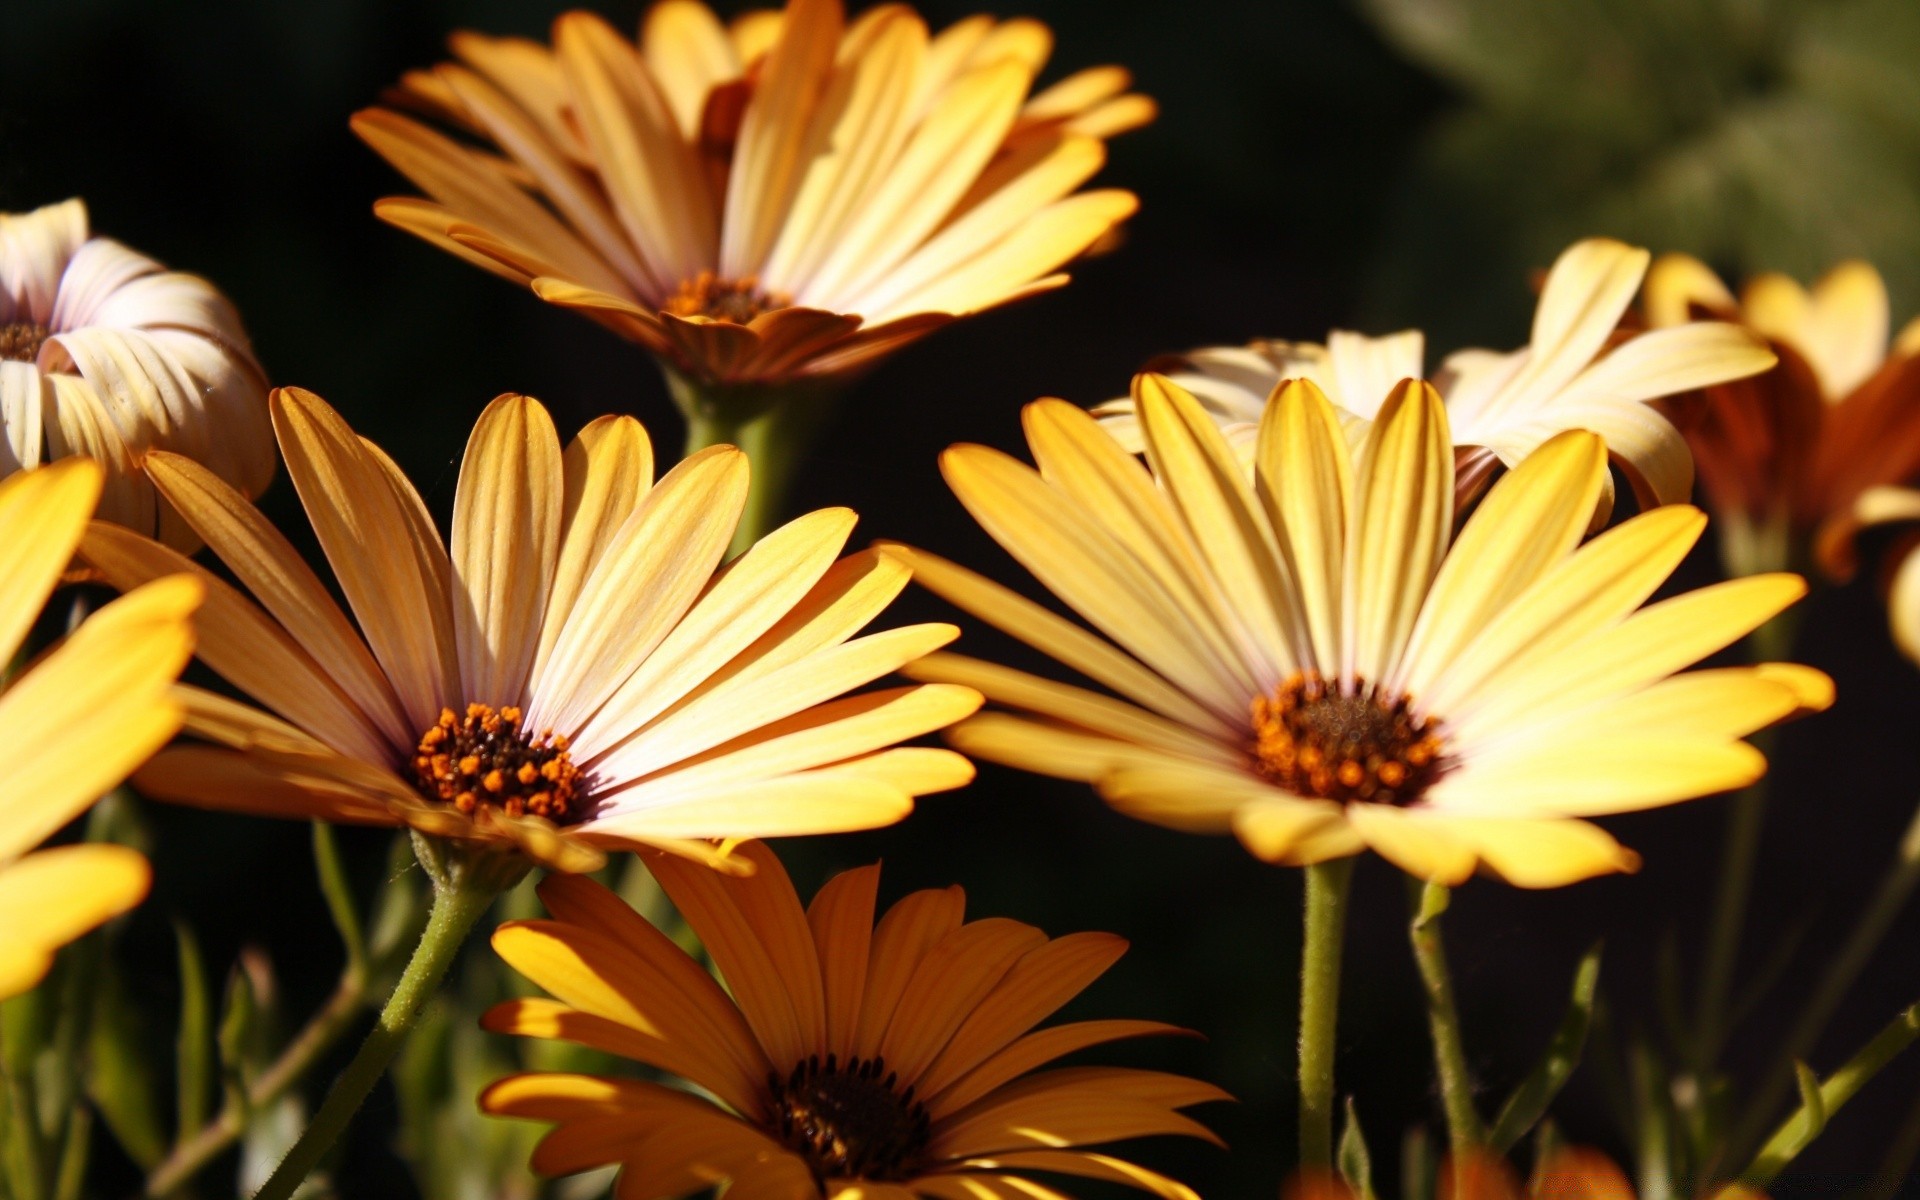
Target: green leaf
x: 339, y: 894
x: 239, y: 1015
x: 1812, y: 1103
x: 121, y: 1080
x: 1529, y: 1101
x: 193, y: 1046
x: 1356, y: 1165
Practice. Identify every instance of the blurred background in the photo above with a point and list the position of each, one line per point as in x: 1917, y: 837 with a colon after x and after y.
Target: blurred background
x: 1318, y: 163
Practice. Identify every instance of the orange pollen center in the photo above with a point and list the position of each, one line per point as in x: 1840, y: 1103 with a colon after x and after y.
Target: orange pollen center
x: 484, y: 759
x: 1318, y: 740
x: 848, y: 1120
x: 20, y: 341
x: 736, y: 300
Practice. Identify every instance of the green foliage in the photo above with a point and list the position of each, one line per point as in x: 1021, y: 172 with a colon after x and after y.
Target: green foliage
x: 1757, y: 134
x: 1528, y: 1103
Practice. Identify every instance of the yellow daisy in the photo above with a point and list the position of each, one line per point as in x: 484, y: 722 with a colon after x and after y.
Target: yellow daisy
x: 1784, y: 455
x: 788, y: 198
x: 75, y: 722
x: 1575, y: 373
x: 578, y: 672
x: 1312, y: 659
x: 105, y: 353
x: 843, y: 1058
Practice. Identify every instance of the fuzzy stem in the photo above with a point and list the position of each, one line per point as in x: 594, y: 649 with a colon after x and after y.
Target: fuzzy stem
x: 773, y: 425
x: 1326, y: 915
x: 1464, y: 1131
x: 459, y: 900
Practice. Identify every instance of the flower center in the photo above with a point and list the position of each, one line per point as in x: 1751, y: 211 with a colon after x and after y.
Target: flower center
x: 735, y: 300
x: 20, y: 341
x: 483, y: 759
x: 1317, y: 740
x: 847, y: 1120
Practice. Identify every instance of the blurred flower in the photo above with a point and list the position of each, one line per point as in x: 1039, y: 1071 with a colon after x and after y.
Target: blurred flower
x: 1784, y: 455
x: 843, y: 1058
x: 1574, y: 374
x: 576, y: 674
x: 104, y: 352
x: 75, y: 722
x: 1314, y: 661
x: 786, y: 199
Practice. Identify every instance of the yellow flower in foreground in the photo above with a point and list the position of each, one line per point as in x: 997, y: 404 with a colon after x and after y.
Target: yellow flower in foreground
x: 1315, y: 661
x: 1783, y: 456
x: 74, y: 723
x: 1576, y: 373
x: 575, y: 674
x: 789, y: 198
x: 843, y: 1058
x: 105, y: 353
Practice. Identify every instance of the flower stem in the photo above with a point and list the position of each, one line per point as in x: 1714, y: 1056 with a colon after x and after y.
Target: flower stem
x: 1798, y: 1130
x: 1464, y: 1131
x: 458, y: 901
x: 774, y: 425
x: 1326, y: 917
x: 1895, y: 889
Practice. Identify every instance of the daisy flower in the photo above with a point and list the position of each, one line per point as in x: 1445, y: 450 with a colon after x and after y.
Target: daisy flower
x: 577, y: 672
x: 779, y: 201
x: 107, y: 354
x: 1576, y: 372
x: 74, y: 722
x: 1784, y: 455
x: 1313, y: 659
x: 842, y: 1058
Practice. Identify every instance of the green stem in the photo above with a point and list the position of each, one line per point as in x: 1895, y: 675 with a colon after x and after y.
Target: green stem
x: 459, y: 900
x: 1798, y: 1130
x: 1895, y: 890
x: 1326, y: 918
x: 774, y: 425
x: 1464, y: 1131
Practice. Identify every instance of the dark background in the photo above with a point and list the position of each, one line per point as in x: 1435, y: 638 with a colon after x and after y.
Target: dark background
x: 1316, y: 164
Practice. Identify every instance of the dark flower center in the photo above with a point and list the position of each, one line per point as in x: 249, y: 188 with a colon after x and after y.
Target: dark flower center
x: 847, y: 1120
x: 735, y: 300
x: 20, y: 341
x: 484, y: 759
x: 1318, y: 740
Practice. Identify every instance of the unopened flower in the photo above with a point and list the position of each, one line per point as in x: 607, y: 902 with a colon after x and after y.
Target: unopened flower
x: 75, y: 723
x: 1575, y: 373
x: 577, y: 672
x: 1314, y: 660
x: 784, y: 199
x: 107, y: 354
x: 842, y: 1059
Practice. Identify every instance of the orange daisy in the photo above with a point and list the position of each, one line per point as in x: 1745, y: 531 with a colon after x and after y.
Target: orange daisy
x: 1318, y: 660
x: 784, y: 199
x: 842, y: 1058
x: 1784, y: 455
x: 578, y: 672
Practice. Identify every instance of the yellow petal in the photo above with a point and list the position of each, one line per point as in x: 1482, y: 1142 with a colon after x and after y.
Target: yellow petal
x: 43, y: 511
x: 1305, y: 482
x: 1531, y: 520
x: 506, y: 540
x: 50, y: 898
x: 1056, y: 637
x: 86, y: 715
x: 1402, y: 518
x: 390, y: 573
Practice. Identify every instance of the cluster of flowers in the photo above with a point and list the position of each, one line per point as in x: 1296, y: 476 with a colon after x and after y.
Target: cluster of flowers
x: 1333, y: 602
